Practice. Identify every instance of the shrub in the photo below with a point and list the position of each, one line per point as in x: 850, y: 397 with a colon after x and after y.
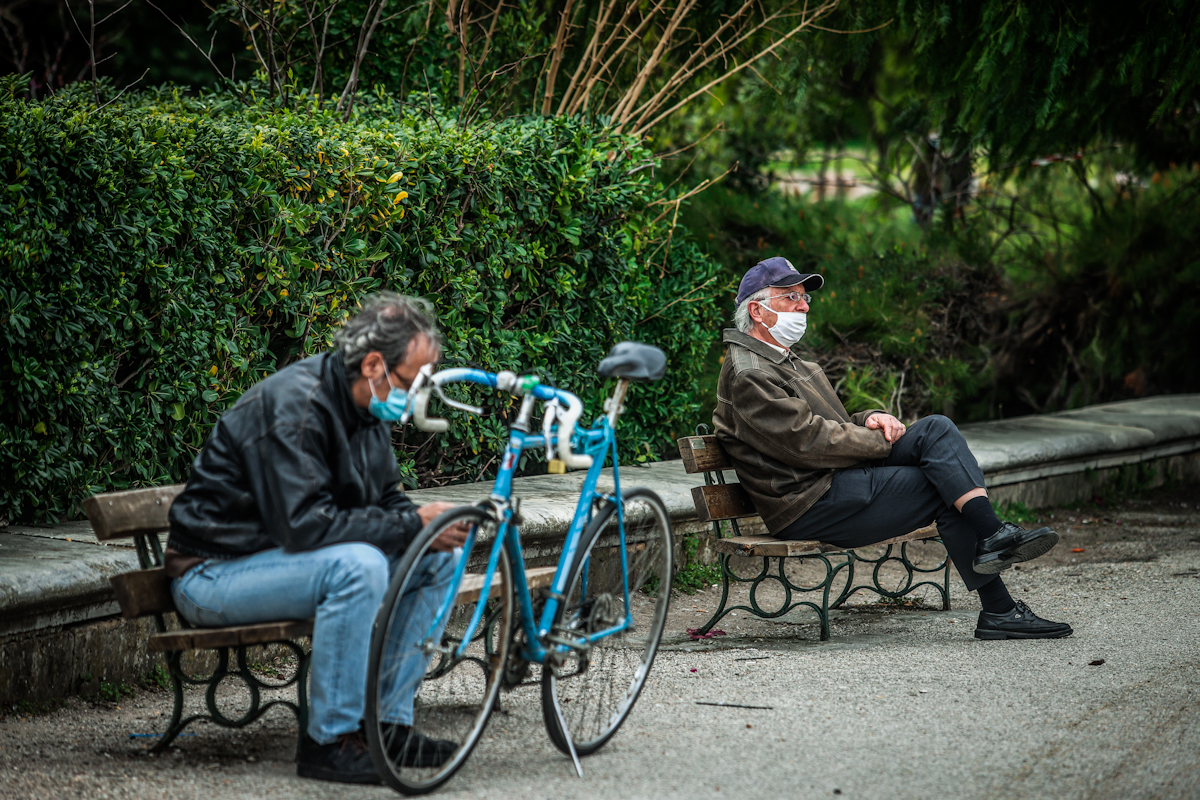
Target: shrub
x: 161, y: 254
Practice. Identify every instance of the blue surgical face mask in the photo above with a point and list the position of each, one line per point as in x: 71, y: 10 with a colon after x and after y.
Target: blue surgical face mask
x: 392, y: 409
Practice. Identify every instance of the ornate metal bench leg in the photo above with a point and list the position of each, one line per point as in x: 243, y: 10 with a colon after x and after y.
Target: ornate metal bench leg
x: 173, y: 727
x: 846, y: 590
x: 302, y: 696
x: 823, y: 612
x: 946, y: 584
x: 723, y: 560
x: 831, y: 573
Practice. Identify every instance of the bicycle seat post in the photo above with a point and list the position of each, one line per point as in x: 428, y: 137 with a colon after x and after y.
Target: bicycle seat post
x: 615, y: 405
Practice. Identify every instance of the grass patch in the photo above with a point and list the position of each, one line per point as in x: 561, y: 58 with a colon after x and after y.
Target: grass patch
x: 156, y: 679
x: 907, y: 602
x: 692, y: 576
x: 1017, y: 513
x: 103, y: 690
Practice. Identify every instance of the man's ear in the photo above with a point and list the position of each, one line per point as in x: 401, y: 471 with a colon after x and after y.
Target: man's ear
x: 372, y: 366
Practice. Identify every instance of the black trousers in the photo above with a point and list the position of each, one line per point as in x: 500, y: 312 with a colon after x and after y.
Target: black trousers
x: 928, y: 469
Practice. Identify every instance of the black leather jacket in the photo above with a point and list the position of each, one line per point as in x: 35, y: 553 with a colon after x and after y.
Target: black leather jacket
x: 294, y: 464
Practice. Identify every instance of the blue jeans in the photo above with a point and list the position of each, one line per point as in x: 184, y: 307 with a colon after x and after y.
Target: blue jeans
x: 342, y: 586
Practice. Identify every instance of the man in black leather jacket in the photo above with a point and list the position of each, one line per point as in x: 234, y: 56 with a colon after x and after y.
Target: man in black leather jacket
x: 293, y: 511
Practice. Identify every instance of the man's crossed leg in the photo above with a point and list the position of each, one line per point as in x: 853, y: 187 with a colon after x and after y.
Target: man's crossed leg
x: 931, y: 475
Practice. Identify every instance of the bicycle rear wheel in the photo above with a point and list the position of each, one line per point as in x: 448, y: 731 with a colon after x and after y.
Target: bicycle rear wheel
x: 452, y: 696
x: 596, y: 688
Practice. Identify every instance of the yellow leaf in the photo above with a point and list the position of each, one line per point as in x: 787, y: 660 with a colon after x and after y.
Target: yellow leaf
x: 283, y: 293
x: 212, y: 370
x: 39, y: 428
x: 395, y: 177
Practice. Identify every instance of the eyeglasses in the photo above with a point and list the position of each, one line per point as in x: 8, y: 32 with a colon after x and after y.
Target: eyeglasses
x: 795, y: 297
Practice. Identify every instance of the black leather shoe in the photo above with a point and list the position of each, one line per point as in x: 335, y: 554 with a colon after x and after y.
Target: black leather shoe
x: 1020, y: 623
x: 413, y: 749
x: 1012, y: 544
x: 346, y: 760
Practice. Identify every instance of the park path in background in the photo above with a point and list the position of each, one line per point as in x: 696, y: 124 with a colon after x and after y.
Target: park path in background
x: 899, y: 703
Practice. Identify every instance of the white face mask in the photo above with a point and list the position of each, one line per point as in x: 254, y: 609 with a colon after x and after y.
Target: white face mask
x: 789, y: 326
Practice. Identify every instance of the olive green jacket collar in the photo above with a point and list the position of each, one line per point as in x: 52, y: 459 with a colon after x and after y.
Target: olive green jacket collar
x: 734, y: 336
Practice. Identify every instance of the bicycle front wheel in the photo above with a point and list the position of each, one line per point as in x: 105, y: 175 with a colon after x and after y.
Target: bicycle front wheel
x: 596, y: 687
x: 426, y: 705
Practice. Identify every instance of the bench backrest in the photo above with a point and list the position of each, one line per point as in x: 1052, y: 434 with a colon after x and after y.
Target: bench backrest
x: 140, y: 514
x: 716, y: 500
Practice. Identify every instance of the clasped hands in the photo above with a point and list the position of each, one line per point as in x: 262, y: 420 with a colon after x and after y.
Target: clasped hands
x: 891, y: 427
x: 451, y: 537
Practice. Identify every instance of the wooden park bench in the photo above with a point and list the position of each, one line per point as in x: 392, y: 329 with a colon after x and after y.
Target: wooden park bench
x: 141, y: 514
x: 718, y: 501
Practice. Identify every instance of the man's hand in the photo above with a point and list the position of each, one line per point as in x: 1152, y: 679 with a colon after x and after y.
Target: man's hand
x: 451, y: 537
x: 892, y: 428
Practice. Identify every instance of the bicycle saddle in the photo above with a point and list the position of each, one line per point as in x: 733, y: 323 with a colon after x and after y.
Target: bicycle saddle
x: 633, y: 361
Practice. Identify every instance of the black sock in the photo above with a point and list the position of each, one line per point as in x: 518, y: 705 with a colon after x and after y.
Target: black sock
x: 995, y: 598
x: 979, y: 515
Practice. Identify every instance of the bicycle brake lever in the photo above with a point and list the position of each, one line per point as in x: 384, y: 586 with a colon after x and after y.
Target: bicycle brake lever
x: 418, y: 382
x: 454, y: 403
x: 550, y: 413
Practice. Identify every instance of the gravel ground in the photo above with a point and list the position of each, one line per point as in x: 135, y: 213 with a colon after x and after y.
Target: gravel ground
x: 901, y: 703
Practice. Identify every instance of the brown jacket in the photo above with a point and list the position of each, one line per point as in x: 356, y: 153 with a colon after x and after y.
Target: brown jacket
x: 785, y: 429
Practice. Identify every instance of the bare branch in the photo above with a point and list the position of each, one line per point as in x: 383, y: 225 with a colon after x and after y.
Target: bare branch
x: 561, y: 35
x: 123, y: 91
x: 345, y: 102
x: 207, y: 55
x: 807, y: 19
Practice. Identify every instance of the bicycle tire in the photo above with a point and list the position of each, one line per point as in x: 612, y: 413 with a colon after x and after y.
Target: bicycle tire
x: 597, y: 690
x: 455, y: 696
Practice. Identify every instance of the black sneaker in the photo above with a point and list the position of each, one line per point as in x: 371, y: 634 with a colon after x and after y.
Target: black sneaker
x: 1012, y: 544
x: 1020, y: 623
x: 412, y: 749
x: 346, y: 760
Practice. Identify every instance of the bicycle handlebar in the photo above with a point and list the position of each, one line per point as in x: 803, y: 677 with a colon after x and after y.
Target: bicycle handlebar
x: 429, y: 382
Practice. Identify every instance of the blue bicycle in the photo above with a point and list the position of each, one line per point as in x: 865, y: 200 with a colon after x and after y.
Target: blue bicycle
x: 594, y: 629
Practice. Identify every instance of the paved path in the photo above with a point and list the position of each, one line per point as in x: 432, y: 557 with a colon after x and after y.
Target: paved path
x: 899, y: 704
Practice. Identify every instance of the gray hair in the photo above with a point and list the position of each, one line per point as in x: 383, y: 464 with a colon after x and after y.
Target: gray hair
x: 387, y: 322
x: 741, y: 317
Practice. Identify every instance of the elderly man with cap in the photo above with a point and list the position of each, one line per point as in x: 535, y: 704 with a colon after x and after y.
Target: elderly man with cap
x: 815, y: 472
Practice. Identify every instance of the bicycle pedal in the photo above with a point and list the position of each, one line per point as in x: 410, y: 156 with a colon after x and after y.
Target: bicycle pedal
x: 556, y: 467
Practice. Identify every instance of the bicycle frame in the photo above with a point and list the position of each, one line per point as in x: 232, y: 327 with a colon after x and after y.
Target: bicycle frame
x: 599, y: 442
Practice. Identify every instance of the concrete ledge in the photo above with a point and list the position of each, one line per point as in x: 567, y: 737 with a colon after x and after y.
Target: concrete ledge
x: 57, y: 610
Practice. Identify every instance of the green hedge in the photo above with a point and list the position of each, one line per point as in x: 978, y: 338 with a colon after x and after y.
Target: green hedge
x: 161, y: 254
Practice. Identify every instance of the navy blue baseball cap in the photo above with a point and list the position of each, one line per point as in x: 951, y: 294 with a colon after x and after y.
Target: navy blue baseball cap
x: 775, y: 271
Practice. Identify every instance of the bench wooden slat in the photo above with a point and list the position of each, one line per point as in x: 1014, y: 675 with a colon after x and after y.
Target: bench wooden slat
x: 722, y: 501
x: 702, y: 454
x: 207, y: 638
x: 146, y: 591
x: 119, y: 515
x: 147, y: 587
x: 770, y: 546
x: 473, y: 582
